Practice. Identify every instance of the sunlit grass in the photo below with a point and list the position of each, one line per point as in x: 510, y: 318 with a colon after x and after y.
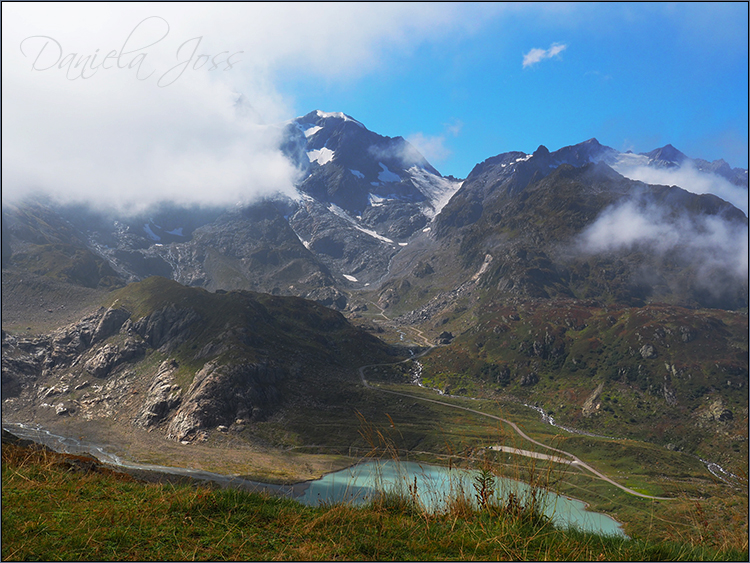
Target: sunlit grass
x: 53, y: 512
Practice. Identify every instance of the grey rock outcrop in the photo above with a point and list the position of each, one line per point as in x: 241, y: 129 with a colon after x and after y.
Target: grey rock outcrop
x: 168, y: 326
x: 31, y: 357
x: 529, y: 379
x: 164, y: 395
x: 444, y: 338
x: 592, y: 403
x: 328, y: 297
x: 222, y: 394
x: 647, y: 352
x: 110, y: 356
x: 717, y: 411
x: 109, y: 324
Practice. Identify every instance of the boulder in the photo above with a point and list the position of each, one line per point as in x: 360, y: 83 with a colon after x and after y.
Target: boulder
x: 716, y: 412
x: 444, y: 338
x: 647, y: 352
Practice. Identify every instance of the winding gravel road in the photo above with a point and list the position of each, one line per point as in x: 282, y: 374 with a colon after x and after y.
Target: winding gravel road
x: 568, y: 457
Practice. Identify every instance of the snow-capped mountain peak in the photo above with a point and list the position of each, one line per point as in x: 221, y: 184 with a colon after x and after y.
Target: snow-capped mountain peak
x: 350, y: 166
x: 317, y: 116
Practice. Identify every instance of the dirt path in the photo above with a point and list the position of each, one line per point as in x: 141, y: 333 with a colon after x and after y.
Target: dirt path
x: 568, y: 457
x: 418, y: 332
x: 571, y: 458
x: 536, y: 455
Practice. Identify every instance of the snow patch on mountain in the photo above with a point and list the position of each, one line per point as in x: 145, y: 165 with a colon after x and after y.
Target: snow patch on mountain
x: 437, y: 190
x: 151, y: 234
x: 336, y: 210
x: 350, y: 278
x: 385, y: 175
x: 177, y: 232
x: 338, y: 115
x: 321, y: 156
x: 311, y: 131
x: 304, y: 242
x: 375, y: 200
x: 627, y: 160
x: 357, y: 173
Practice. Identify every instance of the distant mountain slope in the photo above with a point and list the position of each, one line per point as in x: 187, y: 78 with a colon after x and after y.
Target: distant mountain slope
x: 371, y: 210
x: 665, y: 374
x: 536, y: 226
x: 39, y: 240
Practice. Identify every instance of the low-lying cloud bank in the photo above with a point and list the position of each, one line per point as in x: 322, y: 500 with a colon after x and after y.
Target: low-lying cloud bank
x: 715, y: 247
x: 125, y: 105
x: 689, y: 178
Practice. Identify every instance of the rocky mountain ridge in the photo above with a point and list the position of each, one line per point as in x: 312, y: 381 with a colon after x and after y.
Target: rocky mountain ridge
x: 541, y: 276
x: 367, y: 205
x: 180, y: 360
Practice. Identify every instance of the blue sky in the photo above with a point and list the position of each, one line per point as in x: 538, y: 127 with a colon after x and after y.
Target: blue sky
x: 463, y: 82
x: 635, y: 76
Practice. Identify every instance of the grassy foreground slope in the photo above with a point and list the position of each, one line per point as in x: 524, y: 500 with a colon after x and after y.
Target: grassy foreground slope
x: 58, y: 507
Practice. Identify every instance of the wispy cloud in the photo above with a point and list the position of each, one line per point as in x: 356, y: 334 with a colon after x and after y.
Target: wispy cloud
x: 537, y: 55
x: 689, y: 178
x: 433, y: 147
x: 716, y: 248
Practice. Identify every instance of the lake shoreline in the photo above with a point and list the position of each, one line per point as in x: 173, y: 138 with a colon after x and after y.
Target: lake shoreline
x: 160, y: 474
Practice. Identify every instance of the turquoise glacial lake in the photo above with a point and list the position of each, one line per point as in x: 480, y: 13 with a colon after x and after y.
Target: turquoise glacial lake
x: 435, y: 485
x: 357, y: 484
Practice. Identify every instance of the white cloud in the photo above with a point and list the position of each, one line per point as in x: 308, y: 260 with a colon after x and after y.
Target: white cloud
x: 454, y: 128
x: 688, y: 178
x: 711, y: 244
x: 158, y: 118
x: 537, y: 55
x: 433, y: 147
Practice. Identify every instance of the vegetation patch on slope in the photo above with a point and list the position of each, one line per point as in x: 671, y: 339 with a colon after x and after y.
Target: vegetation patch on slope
x: 666, y: 374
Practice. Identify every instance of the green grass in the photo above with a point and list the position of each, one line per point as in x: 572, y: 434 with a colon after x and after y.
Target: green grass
x: 435, y: 433
x: 53, y: 513
x: 571, y: 348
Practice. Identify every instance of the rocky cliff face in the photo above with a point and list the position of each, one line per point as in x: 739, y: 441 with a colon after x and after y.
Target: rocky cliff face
x: 222, y: 396
x: 89, y: 370
x: 187, y: 364
x: 163, y: 396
